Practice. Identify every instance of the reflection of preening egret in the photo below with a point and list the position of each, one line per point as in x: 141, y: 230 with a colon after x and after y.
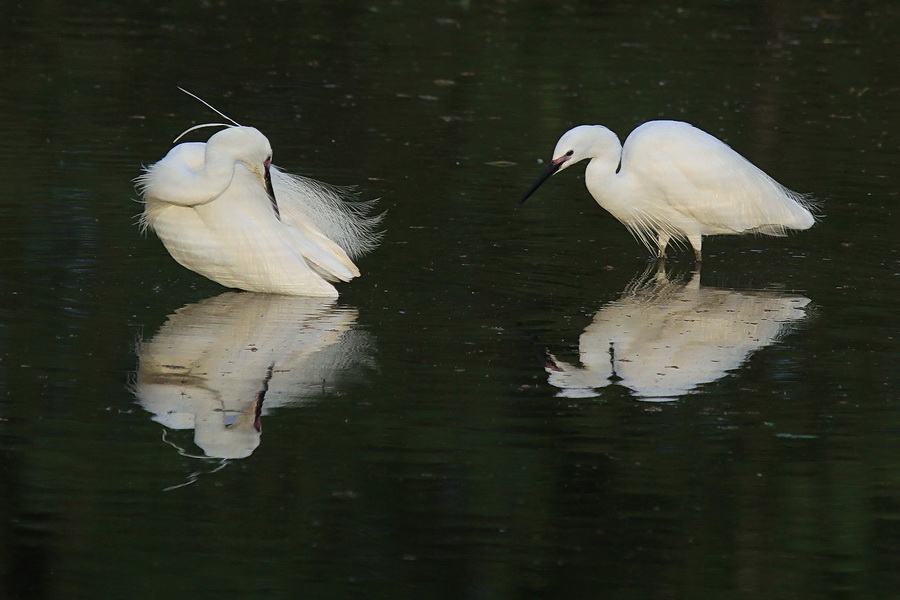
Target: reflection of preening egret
x: 218, y: 365
x: 221, y: 209
x: 672, y: 181
x: 663, y: 338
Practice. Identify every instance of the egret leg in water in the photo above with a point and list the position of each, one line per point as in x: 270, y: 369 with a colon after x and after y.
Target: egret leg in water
x: 674, y: 182
x: 224, y: 211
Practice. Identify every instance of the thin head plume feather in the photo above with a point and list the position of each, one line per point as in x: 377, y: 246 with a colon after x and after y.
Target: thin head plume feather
x: 202, y: 125
x: 210, y: 106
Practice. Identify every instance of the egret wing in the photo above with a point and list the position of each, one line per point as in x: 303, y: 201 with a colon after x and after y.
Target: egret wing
x: 703, y: 179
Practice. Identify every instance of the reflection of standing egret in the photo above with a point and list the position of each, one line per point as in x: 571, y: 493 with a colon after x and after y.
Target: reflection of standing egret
x: 218, y: 365
x: 663, y: 338
x: 672, y: 181
x: 221, y: 209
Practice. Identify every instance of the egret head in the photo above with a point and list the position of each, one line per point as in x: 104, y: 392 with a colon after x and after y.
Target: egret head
x: 577, y: 144
x: 245, y: 145
x: 242, y: 144
x: 586, y: 141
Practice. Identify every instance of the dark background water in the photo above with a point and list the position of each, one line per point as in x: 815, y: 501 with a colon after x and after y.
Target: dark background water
x: 412, y: 443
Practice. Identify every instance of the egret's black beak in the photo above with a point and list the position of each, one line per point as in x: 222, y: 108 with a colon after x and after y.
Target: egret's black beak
x: 552, y: 168
x: 271, y: 191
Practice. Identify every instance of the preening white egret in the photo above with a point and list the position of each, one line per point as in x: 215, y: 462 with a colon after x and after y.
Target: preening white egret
x: 219, y: 365
x: 674, y: 182
x: 224, y: 211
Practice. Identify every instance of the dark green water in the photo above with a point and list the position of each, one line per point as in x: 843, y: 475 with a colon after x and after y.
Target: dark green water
x: 412, y: 443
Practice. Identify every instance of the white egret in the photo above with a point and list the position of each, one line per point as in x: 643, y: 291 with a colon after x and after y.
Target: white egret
x: 224, y: 211
x: 672, y: 181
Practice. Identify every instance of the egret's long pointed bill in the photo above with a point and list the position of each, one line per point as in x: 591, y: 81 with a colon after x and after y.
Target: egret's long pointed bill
x: 271, y: 192
x: 552, y: 168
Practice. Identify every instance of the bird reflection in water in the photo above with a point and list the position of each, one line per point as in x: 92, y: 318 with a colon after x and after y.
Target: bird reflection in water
x: 217, y: 366
x: 663, y: 338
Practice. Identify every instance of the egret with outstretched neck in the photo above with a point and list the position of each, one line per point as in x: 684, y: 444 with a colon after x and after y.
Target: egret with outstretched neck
x: 223, y: 210
x: 672, y: 182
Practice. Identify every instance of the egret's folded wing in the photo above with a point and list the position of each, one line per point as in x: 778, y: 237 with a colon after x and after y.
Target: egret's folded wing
x: 702, y: 177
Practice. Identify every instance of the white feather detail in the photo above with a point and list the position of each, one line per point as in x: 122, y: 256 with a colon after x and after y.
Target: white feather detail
x: 335, y: 211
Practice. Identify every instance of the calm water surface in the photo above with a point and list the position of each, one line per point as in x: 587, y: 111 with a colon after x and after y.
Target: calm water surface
x: 509, y: 403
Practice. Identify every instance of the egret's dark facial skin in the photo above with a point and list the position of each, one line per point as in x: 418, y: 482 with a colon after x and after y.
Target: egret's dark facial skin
x: 269, y: 190
x: 554, y: 166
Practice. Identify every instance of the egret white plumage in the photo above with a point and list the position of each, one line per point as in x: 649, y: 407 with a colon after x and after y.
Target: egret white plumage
x: 674, y: 182
x: 224, y: 211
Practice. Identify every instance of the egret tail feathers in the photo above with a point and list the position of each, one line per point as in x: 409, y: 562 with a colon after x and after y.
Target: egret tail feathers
x: 323, y: 255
